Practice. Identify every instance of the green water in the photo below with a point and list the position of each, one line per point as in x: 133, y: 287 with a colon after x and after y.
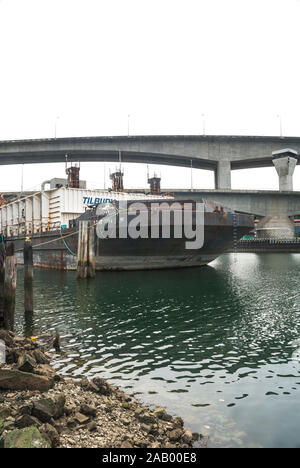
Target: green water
x: 218, y: 345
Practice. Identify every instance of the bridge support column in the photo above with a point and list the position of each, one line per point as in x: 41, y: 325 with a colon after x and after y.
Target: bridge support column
x: 285, y: 162
x: 275, y: 227
x: 223, y: 175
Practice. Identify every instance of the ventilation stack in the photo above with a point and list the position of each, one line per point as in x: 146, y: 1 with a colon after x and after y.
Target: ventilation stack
x: 117, y: 180
x: 154, y: 185
x: 73, y: 176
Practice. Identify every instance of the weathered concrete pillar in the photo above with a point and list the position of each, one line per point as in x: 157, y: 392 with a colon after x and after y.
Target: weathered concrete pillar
x: 223, y: 175
x: 285, y: 162
x: 275, y: 227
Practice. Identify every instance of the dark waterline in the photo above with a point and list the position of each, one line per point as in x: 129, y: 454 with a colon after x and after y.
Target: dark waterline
x: 218, y: 345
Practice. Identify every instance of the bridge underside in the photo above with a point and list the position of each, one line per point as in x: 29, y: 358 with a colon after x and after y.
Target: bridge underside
x: 220, y: 154
x: 105, y: 156
x: 205, y: 152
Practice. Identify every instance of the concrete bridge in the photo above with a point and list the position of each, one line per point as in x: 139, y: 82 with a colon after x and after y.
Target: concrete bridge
x: 218, y: 153
x: 222, y: 154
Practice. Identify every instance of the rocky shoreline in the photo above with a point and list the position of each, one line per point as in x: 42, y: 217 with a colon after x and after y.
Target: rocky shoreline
x: 41, y: 409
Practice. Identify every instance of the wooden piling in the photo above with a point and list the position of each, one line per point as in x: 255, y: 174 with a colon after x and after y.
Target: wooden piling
x: 28, y: 276
x: 85, y: 251
x: 10, y: 283
x: 82, y: 250
x: 91, y: 259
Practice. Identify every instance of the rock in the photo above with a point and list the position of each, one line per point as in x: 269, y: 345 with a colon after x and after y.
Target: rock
x: 126, y: 444
x: 187, y: 436
x: 69, y: 409
x: 71, y: 422
x: 178, y: 421
x: 125, y: 421
x: 43, y: 409
x: 102, y: 386
x: 196, y: 436
x: 155, y: 445
x: 29, y: 437
x: 47, y: 408
x: 11, y: 379
x: 92, y: 387
x: 44, y: 335
x: 146, y: 427
x: 175, y: 435
x: 27, y: 420
x: 40, y: 357
x: 84, y: 383
x: 26, y: 363
x: 146, y: 418
x: 26, y: 409
x: 92, y: 426
x: 46, y: 370
x: 12, y: 356
x: 80, y: 418
x: 21, y: 341
x: 88, y: 410
x: 138, y: 412
x: 50, y: 433
x: 142, y: 443
x: 5, y: 411
x: 10, y: 418
x: 160, y: 413
x: 8, y: 425
x: 154, y: 430
x: 120, y: 395
x: 126, y: 405
x: 59, y: 405
x: 59, y: 426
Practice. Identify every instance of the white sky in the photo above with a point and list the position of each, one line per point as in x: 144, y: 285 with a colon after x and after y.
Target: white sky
x: 85, y: 65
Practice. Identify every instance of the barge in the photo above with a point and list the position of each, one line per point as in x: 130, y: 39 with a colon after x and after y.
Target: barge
x: 51, y: 217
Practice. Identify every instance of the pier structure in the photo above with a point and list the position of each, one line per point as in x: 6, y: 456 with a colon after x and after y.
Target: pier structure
x: 280, y: 225
x: 285, y: 162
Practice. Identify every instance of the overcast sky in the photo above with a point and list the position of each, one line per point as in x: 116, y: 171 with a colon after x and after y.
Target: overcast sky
x: 83, y: 66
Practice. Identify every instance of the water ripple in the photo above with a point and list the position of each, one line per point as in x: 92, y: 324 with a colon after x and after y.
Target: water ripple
x: 185, y: 338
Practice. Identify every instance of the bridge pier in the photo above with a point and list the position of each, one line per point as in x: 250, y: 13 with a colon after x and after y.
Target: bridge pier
x: 280, y: 227
x: 285, y: 162
x: 275, y: 227
x: 223, y: 175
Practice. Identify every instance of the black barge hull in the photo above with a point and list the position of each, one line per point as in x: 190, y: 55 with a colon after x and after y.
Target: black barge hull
x: 58, y: 249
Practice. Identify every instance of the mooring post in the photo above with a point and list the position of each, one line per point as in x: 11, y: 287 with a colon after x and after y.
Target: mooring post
x: 85, y: 251
x: 2, y: 261
x: 10, y: 283
x: 28, y: 276
x: 91, y: 258
x: 82, y: 251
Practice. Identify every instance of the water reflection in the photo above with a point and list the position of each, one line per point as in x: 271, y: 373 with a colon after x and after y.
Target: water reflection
x: 214, y: 344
